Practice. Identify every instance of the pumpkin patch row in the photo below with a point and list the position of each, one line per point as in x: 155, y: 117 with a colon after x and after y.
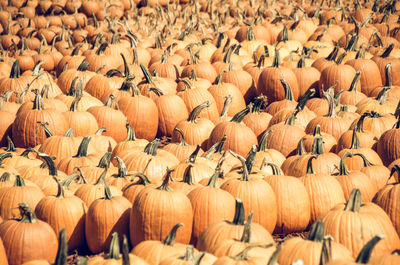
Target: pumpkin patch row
x: 193, y: 132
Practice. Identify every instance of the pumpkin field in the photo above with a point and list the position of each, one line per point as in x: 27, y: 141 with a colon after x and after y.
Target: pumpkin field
x: 199, y: 132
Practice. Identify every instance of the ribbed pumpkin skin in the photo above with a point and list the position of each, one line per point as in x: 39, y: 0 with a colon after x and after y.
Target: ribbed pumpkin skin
x: 370, y: 75
x: 171, y: 110
x: 293, y: 203
x: 388, y: 146
x: 240, y: 138
x: 155, y: 212
x: 28, y: 241
x: 384, y: 260
x: 257, y: 196
x: 388, y: 199
x: 269, y: 83
x: 339, y: 76
x: 12, y: 196
x: 64, y: 212
x: 3, y: 254
x: 216, y: 233
x: 103, y: 218
x: 28, y: 133
x: 284, y: 138
x: 309, y: 251
x: 154, y: 251
x: 113, y: 120
x: 370, y: 221
x: 210, y: 205
x: 325, y: 192
x: 142, y: 114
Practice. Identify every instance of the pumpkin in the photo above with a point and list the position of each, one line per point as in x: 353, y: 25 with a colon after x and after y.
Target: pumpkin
x: 22, y: 235
x: 105, y: 216
x: 355, y: 180
x: 153, y: 251
x: 195, y: 129
x: 177, y: 207
x: 371, y: 220
x: 387, y: 145
x: 130, y: 142
x: 219, y: 232
x: 257, y: 120
x: 324, y: 191
x: 210, y: 205
x: 51, y: 210
x: 269, y: 82
x: 239, y: 139
x: 145, y: 121
x: 310, y: 249
x: 293, y: 203
x: 329, y: 143
x: 28, y: 133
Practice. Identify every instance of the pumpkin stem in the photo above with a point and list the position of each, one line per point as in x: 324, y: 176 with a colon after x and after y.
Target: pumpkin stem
x: 102, y: 48
x: 310, y: 169
x: 62, y: 252
x: 366, y: 252
x: 388, y: 75
x: 125, y: 251
x: 247, y: 229
x: 250, y: 158
x: 245, y: 173
x: 83, y: 66
x: 382, y: 96
x: 342, y: 166
x: 193, y: 156
x: 288, y: 90
x: 275, y: 63
x: 388, y: 50
x: 332, y: 56
x: 46, y: 129
x: 317, y: 147
x: 131, y: 136
x: 317, y: 131
x: 366, y: 162
x: 225, y: 108
x: 214, y: 178
x: 356, y: 79
x: 126, y: 67
x: 38, y: 101
x: 170, y: 239
x: 355, y: 142
x: 122, y: 171
x: 114, y: 251
x: 187, y: 175
x: 274, y: 258
x: 10, y: 146
x: 15, y: 70
x: 262, y: 146
x: 147, y: 75
x: 241, y: 115
x: 83, y: 147
x: 216, y: 148
x: 27, y: 214
x: 291, y: 119
x: 317, y: 232
x: 228, y: 54
x: 143, y: 179
x: 360, y: 123
x: 5, y: 177
x: 194, y: 114
x: 107, y: 191
x: 258, y: 104
x: 151, y: 148
x: 183, y: 141
x: 189, y: 254
x: 243, y: 255
x: 275, y: 169
x: 105, y: 160
x: 303, y: 100
x: 354, y: 202
x: 49, y: 162
x: 165, y: 184
x: 326, y: 252
x: 239, y: 217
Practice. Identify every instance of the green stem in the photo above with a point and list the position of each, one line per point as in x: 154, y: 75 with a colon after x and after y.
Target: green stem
x: 114, y: 251
x: 147, y: 75
x: 354, y: 202
x: 317, y: 232
x: 239, y: 217
x: 193, y: 156
x: 366, y: 252
x: 318, y: 146
x: 151, y: 148
x: 170, y: 239
x: 288, y: 90
x: 310, y: 169
x: 83, y: 147
x: 356, y: 79
x: 241, y: 115
x: 194, y: 115
x: 246, y: 236
x: 107, y: 191
x: 262, y: 146
x: 27, y: 214
x: 62, y: 252
x: 165, y: 184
